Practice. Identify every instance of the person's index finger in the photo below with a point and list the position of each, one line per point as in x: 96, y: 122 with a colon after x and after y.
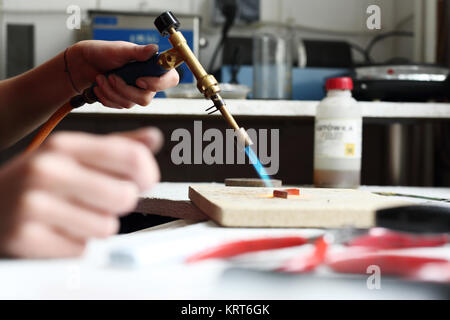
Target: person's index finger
x: 121, y: 52
x: 146, y: 52
x: 139, y: 96
x: 167, y: 80
x: 116, y: 154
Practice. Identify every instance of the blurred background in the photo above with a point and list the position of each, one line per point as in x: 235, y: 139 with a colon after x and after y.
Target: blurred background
x: 406, y: 60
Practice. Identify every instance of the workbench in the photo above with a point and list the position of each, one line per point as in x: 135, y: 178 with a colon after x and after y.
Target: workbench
x: 402, y: 136
x: 94, y: 276
x: 403, y: 132
x: 275, y: 108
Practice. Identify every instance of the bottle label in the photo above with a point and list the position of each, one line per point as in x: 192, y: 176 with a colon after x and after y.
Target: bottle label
x: 338, y: 138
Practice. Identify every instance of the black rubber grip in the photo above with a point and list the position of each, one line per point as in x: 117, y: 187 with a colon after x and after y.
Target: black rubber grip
x: 132, y: 71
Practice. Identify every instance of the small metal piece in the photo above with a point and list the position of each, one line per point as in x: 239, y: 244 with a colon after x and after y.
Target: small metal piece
x: 208, y: 85
x: 280, y: 194
x: 220, y: 104
x: 284, y: 193
x: 170, y: 59
x: 211, y: 108
x: 394, y: 194
x: 293, y: 192
x: 250, y: 182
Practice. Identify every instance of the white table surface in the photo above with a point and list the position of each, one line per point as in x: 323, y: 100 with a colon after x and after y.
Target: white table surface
x: 162, y: 275
x: 273, y: 108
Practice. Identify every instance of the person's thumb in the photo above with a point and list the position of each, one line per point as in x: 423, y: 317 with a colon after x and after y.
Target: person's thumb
x: 152, y: 137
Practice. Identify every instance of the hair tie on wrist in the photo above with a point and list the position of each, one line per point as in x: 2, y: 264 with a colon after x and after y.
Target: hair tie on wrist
x: 66, y: 66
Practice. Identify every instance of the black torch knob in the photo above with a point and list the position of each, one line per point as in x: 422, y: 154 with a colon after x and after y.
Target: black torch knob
x: 166, y: 21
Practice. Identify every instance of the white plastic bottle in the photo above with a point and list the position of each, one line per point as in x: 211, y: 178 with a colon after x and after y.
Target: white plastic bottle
x: 338, y: 137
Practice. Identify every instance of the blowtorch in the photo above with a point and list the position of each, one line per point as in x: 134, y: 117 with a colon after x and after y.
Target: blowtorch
x: 160, y: 63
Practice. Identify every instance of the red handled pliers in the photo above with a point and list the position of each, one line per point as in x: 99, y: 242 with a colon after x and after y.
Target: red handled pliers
x: 358, y: 254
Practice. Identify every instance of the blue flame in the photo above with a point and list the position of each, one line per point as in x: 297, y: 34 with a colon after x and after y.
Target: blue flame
x: 258, y: 166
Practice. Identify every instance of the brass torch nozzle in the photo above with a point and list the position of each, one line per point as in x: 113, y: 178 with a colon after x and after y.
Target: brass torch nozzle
x: 167, y: 24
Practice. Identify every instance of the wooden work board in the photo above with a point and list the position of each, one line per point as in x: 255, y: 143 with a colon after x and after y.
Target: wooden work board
x: 313, y: 208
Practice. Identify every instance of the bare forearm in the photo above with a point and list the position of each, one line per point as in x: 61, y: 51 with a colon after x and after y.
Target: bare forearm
x: 28, y: 100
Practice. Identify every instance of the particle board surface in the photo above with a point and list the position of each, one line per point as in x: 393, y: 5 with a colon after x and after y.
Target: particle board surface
x: 314, y: 208
x: 169, y: 200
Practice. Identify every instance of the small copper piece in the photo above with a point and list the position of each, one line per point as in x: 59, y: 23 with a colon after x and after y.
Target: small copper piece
x: 293, y: 192
x: 284, y: 193
x: 280, y: 194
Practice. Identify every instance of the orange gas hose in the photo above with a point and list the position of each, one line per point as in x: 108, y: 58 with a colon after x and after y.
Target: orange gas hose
x: 47, y: 128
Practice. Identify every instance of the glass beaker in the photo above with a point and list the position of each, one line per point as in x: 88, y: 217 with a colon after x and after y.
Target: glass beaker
x: 272, y: 65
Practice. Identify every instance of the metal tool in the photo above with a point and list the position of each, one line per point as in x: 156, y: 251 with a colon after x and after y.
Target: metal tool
x: 168, y: 25
x: 159, y: 64
x: 359, y: 250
